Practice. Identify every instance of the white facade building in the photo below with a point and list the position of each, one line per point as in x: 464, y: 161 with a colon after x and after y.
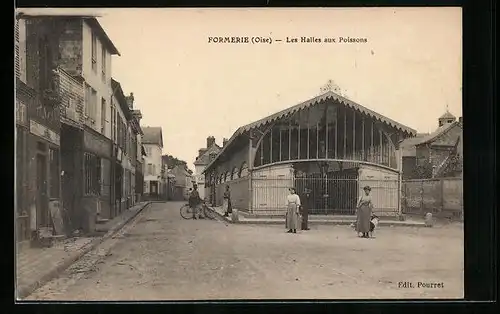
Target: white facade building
x: 152, y: 141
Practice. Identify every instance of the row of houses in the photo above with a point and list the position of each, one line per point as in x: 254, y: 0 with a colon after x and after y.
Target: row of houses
x: 80, y: 154
x: 333, y: 146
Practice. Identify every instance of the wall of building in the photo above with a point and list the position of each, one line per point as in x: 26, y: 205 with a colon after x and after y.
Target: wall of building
x: 270, y: 188
x: 96, y: 80
x: 384, y: 185
x: 153, y: 158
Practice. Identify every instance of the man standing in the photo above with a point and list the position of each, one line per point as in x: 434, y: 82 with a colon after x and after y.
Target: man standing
x: 307, y: 204
x: 194, y: 201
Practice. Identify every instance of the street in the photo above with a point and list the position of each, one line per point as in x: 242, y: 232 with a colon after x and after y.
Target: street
x: 161, y: 256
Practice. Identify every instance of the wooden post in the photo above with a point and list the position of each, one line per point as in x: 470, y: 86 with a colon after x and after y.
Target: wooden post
x: 290, y: 140
x: 271, y: 146
x: 308, y: 137
x: 280, y: 142
x: 317, y: 140
x: 345, y: 133
x: 336, y: 136
x: 363, y: 137
x: 298, y: 142
x: 262, y: 152
x: 381, y: 160
x: 326, y: 140
x: 354, y: 134
x: 250, y: 170
x: 371, y: 145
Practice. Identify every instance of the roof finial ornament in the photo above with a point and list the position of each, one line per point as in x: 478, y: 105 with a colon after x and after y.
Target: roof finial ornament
x: 330, y: 86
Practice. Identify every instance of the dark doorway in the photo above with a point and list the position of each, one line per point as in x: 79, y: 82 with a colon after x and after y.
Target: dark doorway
x: 41, y: 196
x: 153, y: 188
x: 118, y: 190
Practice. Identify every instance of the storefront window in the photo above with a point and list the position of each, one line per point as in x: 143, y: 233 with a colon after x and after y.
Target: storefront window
x: 92, y: 174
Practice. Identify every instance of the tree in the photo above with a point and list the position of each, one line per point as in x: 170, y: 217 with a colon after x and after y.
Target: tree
x: 172, y: 161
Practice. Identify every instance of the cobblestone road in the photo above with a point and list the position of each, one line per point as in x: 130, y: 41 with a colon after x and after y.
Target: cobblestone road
x: 161, y: 256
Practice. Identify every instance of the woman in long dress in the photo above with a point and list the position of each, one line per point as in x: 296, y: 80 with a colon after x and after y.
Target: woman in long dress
x: 364, y: 212
x: 227, y: 202
x: 292, y: 214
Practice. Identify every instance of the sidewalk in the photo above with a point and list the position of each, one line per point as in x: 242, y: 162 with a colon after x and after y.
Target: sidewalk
x: 244, y: 218
x: 37, y: 266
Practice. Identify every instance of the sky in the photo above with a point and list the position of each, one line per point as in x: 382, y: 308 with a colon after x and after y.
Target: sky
x: 410, y: 68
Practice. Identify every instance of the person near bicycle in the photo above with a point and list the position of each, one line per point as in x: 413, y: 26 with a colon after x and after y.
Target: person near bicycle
x: 195, y: 201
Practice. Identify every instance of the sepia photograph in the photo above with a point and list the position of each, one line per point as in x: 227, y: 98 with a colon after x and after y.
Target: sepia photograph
x: 211, y: 154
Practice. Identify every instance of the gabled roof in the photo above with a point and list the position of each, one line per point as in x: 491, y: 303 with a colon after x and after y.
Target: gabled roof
x: 204, y: 159
x: 447, y: 115
x: 120, y: 96
x: 439, y: 131
x: 316, y: 100
x: 312, y: 102
x: 152, y: 135
x: 408, y: 144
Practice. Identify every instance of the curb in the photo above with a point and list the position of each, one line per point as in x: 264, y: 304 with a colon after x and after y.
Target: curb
x: 387, y: 223
x: 23, y: 292
x: 329, y: 222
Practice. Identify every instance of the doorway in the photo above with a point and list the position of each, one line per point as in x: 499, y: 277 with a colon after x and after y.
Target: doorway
x: 42, y: 200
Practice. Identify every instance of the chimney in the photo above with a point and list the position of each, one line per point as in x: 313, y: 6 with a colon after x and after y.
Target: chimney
x: 210, y: 141
x: 130, y: 101
x: 224, y: 142
x: 201, y: 151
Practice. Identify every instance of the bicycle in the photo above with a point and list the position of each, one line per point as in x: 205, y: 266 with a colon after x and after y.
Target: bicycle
x: 187, y: 212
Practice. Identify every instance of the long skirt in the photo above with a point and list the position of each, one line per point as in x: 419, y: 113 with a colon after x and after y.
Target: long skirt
x: 292, y: 218
x: 228, y: 208
x: 225, y: 205
x: 363, y: 219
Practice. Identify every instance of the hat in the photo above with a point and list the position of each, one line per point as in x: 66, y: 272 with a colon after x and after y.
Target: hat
x: 307, y: 189
x: 367, y: 188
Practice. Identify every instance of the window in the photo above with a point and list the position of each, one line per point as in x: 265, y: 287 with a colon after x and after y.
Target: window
x: 154, y: 170
x: 103, y: 64
x: 94, y: 52
x: 150, y: 169
x: 90, y: 103
x: 92, y: 174
x: 54, y: 173
x: 103, y: 116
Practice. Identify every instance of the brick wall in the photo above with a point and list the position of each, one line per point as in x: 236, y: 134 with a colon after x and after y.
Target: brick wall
x: 72, y: 99
x: 70, y: 46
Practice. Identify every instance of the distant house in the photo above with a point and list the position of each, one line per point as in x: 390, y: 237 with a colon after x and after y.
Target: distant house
x: 152, y: 141
x: 205, y: 156
x: 438, y: 154
x: 182, y: 182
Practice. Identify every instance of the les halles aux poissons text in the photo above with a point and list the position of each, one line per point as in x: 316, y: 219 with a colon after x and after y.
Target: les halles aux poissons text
x: 288, y: 40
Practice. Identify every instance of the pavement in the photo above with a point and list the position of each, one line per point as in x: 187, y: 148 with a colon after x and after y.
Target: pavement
x: 245, y: 218
x: 36, y: 266
x: 161, y: 256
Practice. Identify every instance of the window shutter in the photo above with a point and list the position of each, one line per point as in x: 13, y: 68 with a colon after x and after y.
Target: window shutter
x: 18, y: 66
